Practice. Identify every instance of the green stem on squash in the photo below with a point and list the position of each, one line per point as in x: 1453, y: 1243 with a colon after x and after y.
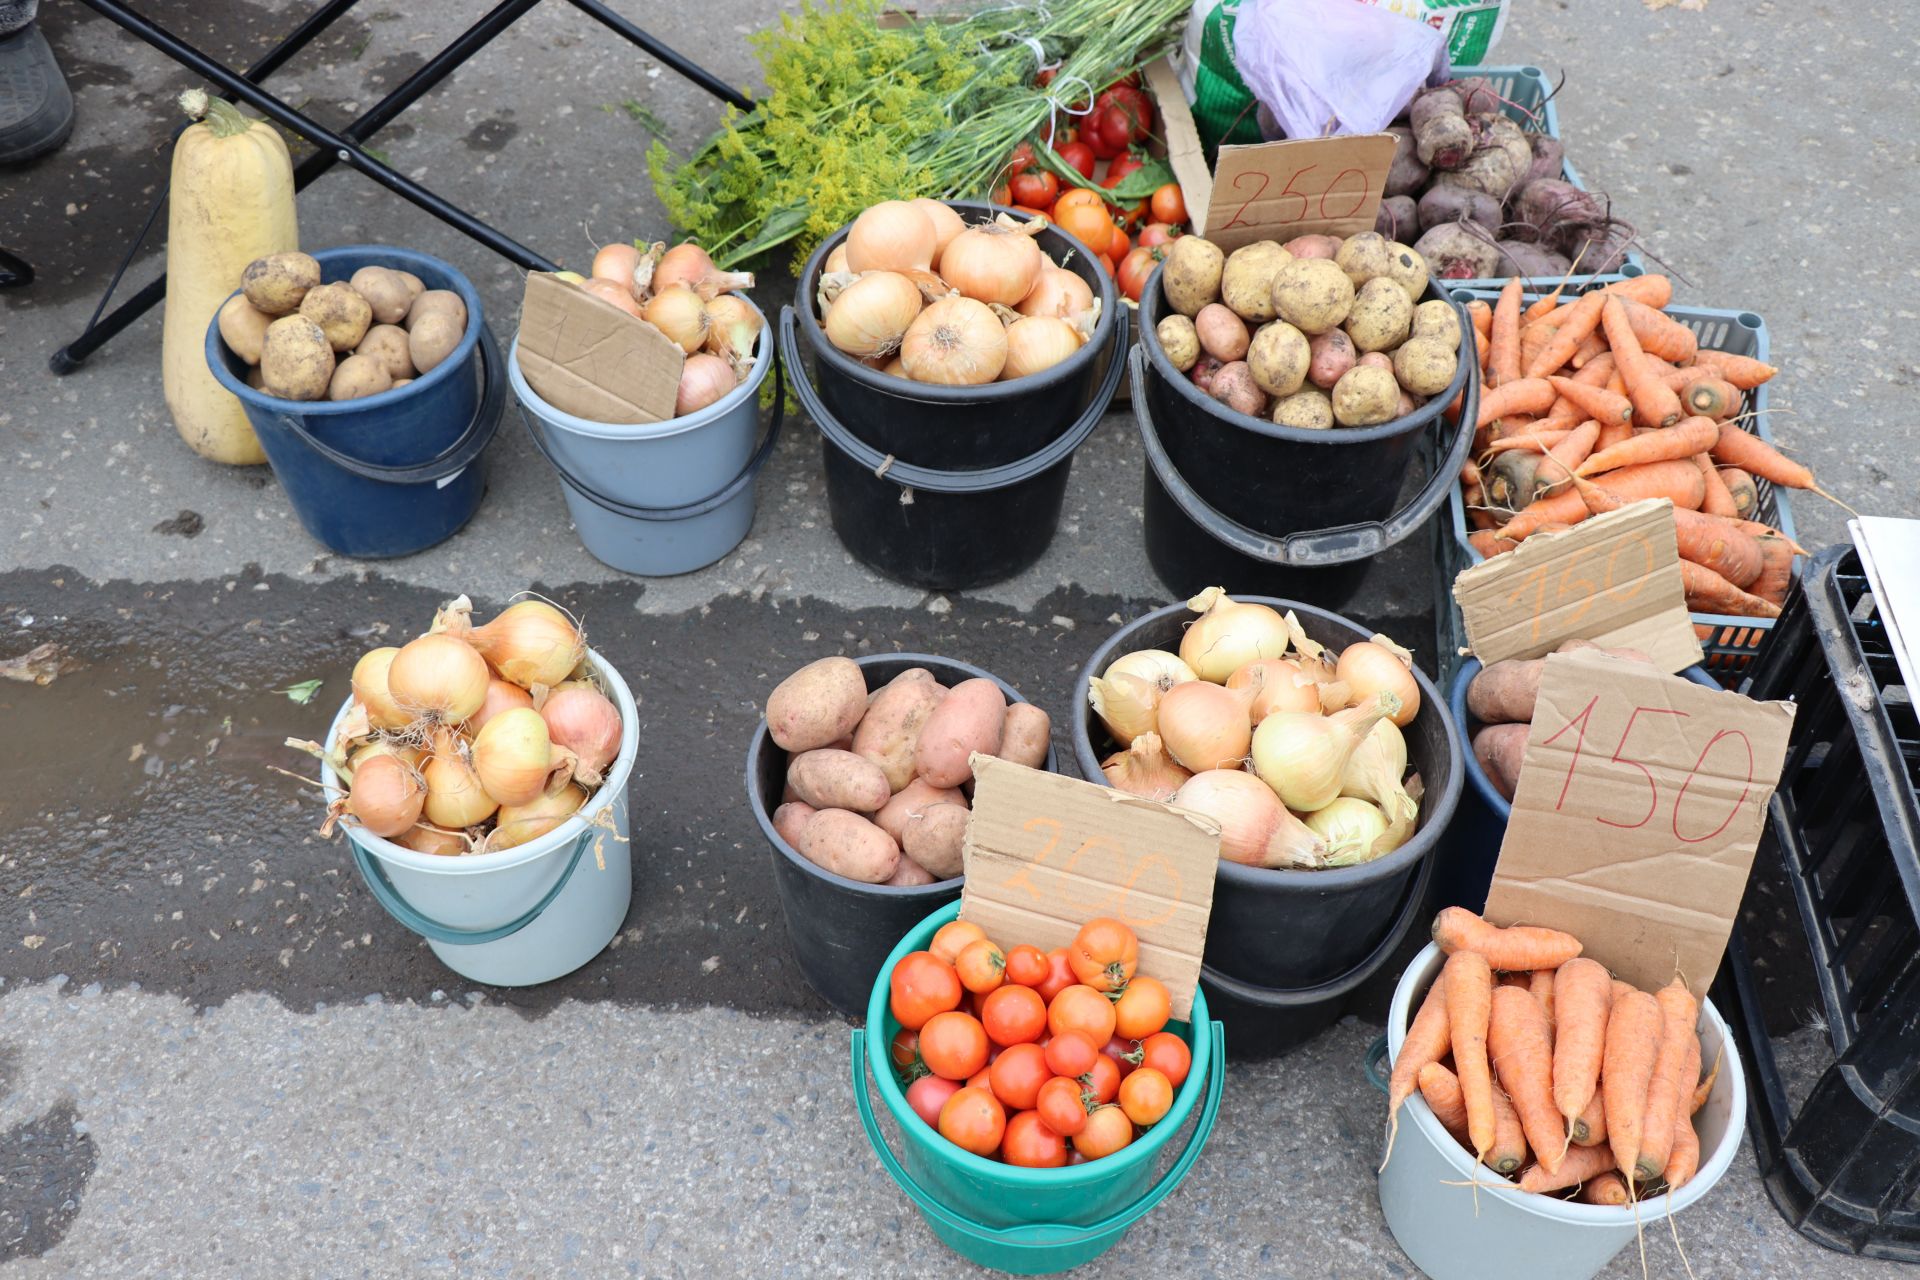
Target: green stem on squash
x: 222, y: 117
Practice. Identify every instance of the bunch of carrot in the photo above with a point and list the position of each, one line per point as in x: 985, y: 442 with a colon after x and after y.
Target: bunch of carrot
x: 1561, y: 1076
x: 1605, y: 400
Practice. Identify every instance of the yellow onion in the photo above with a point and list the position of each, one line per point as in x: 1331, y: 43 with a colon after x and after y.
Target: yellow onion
x: 1229, y: 634
x: 455, y: 797
x: 585, y: 721
x: 688, y: 264
x: 406, y: 755
x: 1036, y: 344
x: 616, y: 262
x: 438, y: 677
x: 946, y: 224
x: 1303, y: 756
x: 1278, y: 685
x: 518, y: 824
x: 1379, y: 665
x: 1375, y: 769
x: 1255, y: 828
x: 425, y: 839
x: 387, y: 796
x: 1351, y: 829
x: 370, y: 686
x: 836, y: 259
x: 1058, y: 292
x: 1127, y: 697
x: 502, y: 695
x: 993, y: 264
x: 512, y: 756
x: 870, y: 316
x: 678, y: 312
x: 891, y: 236
x: 956, y: 342
x: 1205, y: 726
x: 1144, y: 769
x: 530, y: 642
x: 735, y: 327
x: 611, y: 291
x: 704, y: 380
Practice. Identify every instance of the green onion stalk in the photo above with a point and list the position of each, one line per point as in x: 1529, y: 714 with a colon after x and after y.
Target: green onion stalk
x: 858, y: 109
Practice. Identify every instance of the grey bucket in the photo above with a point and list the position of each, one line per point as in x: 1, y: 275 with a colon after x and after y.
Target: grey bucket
x: 659, y: 498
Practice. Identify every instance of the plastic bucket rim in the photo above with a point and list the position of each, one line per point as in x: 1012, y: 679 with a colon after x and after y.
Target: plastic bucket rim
x: 638, y: 431
x: 612, y: 788
x: 1199, y: 1040
x: 1713, y: 1166
x: 762, y: 740
x: 984, y: 395
x: 458, y: 359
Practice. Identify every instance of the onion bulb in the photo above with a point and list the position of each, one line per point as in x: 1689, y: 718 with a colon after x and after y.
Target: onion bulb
x: 611, y: 291
x: 1229, y: 634
x: 616, y: 262
x: 1127, y: 697
x: 438, y: 677
x: 891, y: 236
x: 530, y: 642
x: 704, y: 380
x: 1303, y: 756
x: 688, y: 264
x: 956, y: 342
x: 678, y: 312
x: 512, y: 756
x: 1205, y: 726
x: 1351, y: 828
x: 520, y: 823
x: 585, y: 721
x: 1144, y: 769
x: 836, y: 259
x: 734, y: 328
x: 1375, y: 769
x: 407, y: 755
x: 386, y: 796
x: 502, y: 695
x: 455, y: 797
x: 1058, y: 293
x: 1255, y: 828
x: 1381, y: 666
x: 870, y: 316
x: 370, y: 686
x: 1037, y: 343
x: 1278, y: 685
x: 993, y: 264
x: 426, y: 839
x: 946, y: 224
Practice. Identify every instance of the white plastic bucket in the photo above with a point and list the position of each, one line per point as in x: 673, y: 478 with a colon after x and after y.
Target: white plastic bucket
x: 536, y: 912
x: 1516, y: 1234
x: 658, y: 498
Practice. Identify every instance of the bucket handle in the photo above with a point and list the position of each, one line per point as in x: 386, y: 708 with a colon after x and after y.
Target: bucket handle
x: 426, y: 926
x: 457, y: 456
x: 929, y: 1205
x: 909, y: 476
x: 688, y: 510
x: 1337, y: 545
x: 1375, y: 1059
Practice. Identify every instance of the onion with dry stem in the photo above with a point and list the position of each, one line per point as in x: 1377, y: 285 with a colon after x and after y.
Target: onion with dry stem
x: 705, y: 380
x: 370, y: 686
x: 1277, y: 685
x: 455, y: 796
x: 1127, y: 696
x: 733, y: 329
x: 956, y: 342
x: 1228, y: 634
x: 585, y: 721
x: 502, y: 695
x: 678, y: 312
x: 517, y: 824
x: 1303, y: 755
x: 688, y: 264
x: 1206, y: 726
x: 437, y: 677
x: 1379, y: 665
x: 892, y: 236
x: 998, y: 262
x: 1255, y: 828
x: 1058, y: 292
x: 1145, y: 769
x: 386, y: 796
x: 871, y: 315
x: 530, y: 642
x: 512, y: 756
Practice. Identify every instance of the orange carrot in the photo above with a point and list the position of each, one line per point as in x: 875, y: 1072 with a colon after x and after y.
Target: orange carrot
x: 1457, y: 929
x: 1469, y: 984
x: 1426, y: 1042
x: 1776, y: 571
x: 1654, y: 403
x: 1660, y: 334
x: 1540, y: 983
x: 1715, y: 544
x: 1564, y: 508
x: 1590, y: 1126
x: 1534, y: 338
x: 1542, y: 307
x: 1575, y: 325
x: 1704, y: 1089
x: 1708, y: 592
x: 1521, y: 1048
x: 1626, y: 1071
x: 1680, y: 441
x: 1619, y: 989
x: 1685, y: 1160
x: 1608, y: 1188
x: 1746, y: 494
x: 1672, y: 1074
x: 1482, y: 316
x: 1578, y: 1165
x: 1719, y: 500
x: 1750, y: 453
x: 1649, y: 290
x: 1441, y: 1088
x: 1509, y: 1150
x: 1490, y: 543
x: 1709, y: 396
x: 1564, y: 458
x: 1536, y: 439
x: 1678, y: 481
x: 1582, y: 996
x: 1743, y: 372
x: 1597, y: 371
x: 1526, y: 395
x: 1481, y: 346
x: 1591, y: 348
x: 1565, y: 413
x: 1597, y: 403
x: 1503, y: 360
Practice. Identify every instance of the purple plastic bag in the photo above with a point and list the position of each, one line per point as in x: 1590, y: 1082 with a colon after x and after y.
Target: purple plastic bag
x: 1334, y: 66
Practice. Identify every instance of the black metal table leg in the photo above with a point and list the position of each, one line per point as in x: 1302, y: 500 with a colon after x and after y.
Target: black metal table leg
x: 691, y: 70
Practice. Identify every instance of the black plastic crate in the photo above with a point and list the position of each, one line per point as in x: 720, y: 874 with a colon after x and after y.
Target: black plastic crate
x: 1843, y: 1164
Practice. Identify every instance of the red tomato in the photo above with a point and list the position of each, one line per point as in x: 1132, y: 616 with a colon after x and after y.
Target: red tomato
x: 1118, y: 246
x: 1061, y: 1105
x: 1133, y: 103
x: 927, y: 1095
x: 1091, y: 227
x: 1146, y: 1096
x: 1123, y: 164
x: 953, y: 1045
x: 1017, y: 1074
x: 1132, y: 276
x: 1044, y: 77
x: 974, y: 1121
x: 1104, y: 954
x: 1168, y: 1054
x: 1155, y: 234
x: 1021, y: 160
x: 1077, y: 156
x: 982, y: 1079
x: 1131, y: 80
x: 1115, y: 126
x: 1059, y: 972
x: 1124, y: 1052
x: 1000, y: 195
x: 906, y: 1050
x: 1103, y: 1082
x: 920, y: 986
x: 1027, y: 965
x: 1078, y: 1008
x: 1107, y: 1131
x: 1014, y: 1015
x: 1170, y: 203
x: 1105, y: 145
x: 981, y: 966
x: 1071, y: 1053
x: 953, y: 937
x: 1144, y: 1007
x: 1030, y: 1144
x: 1035, y: 188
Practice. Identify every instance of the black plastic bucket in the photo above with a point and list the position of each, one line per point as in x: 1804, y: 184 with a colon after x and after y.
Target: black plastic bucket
x: 1295, y: 929
x: 842, y: 930
x: 1284, y: 479
x: 1191, y: 544
x: 1265, y: 1022
x: 946, y: 530
x: 961, y: 428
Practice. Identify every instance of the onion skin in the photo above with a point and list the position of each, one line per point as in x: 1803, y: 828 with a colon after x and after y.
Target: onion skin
x: 1144, y: 769
x: 956, y: 342
x: 616, y: 262
x: 370, y: 686
x: 1205, y: 726
x: 512, y: 756
x: 519, y: 824
x: 678, y: 312
x: 386, y: 797
x: 1255, y: 828
x: 1370, y: 667
x: 455, y: 797
x: 946, y: 224
x: 1058, y: 293
x: 502, y: 695
x: 425, y: 839
x: 1036, y: 344
x: 585, y: 721
x: 705, y: 379
x: 990, y: 265
x: 871, y: 315
x: 1278, y: 685
x: 439, y: 677
x: 611, y: 291
x: 892, y: 236
x: 530, y: 642
x: 1228, y: 634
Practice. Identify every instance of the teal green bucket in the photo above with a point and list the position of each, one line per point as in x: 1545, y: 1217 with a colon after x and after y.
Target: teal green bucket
x: 1029, y: 1221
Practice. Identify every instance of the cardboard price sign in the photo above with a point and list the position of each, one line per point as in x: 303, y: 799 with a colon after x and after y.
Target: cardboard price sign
x: 587, y: 357
x: 1307, y: 186
x: 1636, y: 816
x: 1045, y: 854
x: 1614, y: 580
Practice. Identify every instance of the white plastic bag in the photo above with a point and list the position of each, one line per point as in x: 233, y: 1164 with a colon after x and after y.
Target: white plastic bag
x: 1333, y: 66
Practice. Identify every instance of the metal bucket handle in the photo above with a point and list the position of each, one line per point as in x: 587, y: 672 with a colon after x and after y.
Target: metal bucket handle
x: 1072, y: 1234
x: 909, y: 476
x: 426, y: 926
x: 457, y: 456
x: 1322, y: 546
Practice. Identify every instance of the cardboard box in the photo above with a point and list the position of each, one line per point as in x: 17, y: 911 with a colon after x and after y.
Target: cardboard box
x: 587, y: 357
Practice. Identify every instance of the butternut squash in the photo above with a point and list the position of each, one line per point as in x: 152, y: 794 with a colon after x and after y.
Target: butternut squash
x: 231, y: 200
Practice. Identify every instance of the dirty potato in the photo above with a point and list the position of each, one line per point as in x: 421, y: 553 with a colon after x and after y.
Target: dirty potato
x: 1425, y: 366
x: 296, y: 360
x: 276, y: 283
x: 1406, y: 267
x: 358, y: 376
x: 436, y: 300
x: 387, y: 343
x: 243, y: 327
x: 1436, y: 319
x: 1365, y: 256
x: 385, y: 292
x: 1246, y: 281
x: 1192, y: 274
x: 1180, y: 340
x: 1366, y: 396
x: 1312, y: 294
x: 340, y: 312
x: 1381, y: 316
x: 1279, y: 358
x: 1308, y: 408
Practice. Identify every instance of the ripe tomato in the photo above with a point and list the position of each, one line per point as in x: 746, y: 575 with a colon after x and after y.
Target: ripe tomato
x: 1123, y: 164
x: 1027, y: 965
x: 1107, y: 1131
x: 1077, y: 156
x: 1030, y: 1144
x: 1168, y: 1054
x: 1118, y: 247
x: 1130, y: 80
x: 1090, y: 227
x: 1146, y: 1096
x: 1035, y: 188
x: 1014, y: 1015
x: 1124, y: 1052
x: 981, y: 1079
x: 1134, y: 104
x: 1071, y: 1053
x: 1114, y: 125
x: 953, y: 1045
x: 1104, y: 954
x: 920, y: 986
x: 1017, y: 1074
x: 1146, y: 1004
x: 1103, y: 1081
x: 953, y: 937
x: 1077, y: 196
x: 905, y: 1050
x: 1170, y: 204
x: 1021, y: 161
x: 1155, y: 234
x: 1000, y: 195
x: 1059, y: 975
x: 973, y: 1121
x: 1078, y: 1008
x: 927, y: 1095
x: 1060, y: 1104
x: 1135, y: 270
x: 981, y: 966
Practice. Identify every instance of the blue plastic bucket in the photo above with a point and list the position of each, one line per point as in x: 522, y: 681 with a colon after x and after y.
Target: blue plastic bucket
x: 1471, y: 845
x: 1029, y: 1221
x: 390, y: 474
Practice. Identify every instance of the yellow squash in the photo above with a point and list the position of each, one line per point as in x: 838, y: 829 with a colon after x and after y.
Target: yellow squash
x: 231, y: 202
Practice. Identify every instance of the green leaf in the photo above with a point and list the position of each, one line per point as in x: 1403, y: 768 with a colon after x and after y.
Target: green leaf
x: 1138, y: 185
x: 304, y: 692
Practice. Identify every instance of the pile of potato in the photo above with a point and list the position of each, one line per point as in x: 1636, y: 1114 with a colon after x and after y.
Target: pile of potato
x: 311, y: 341
x: 878, y: 784
x: 1316, y: 333
x: 1501, y: 698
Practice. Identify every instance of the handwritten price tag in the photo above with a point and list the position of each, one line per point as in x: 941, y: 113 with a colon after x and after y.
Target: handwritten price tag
x: 1309, y: 186
x: 1614, y: 580
x: 1045, y: 854
x: 1638, y: 809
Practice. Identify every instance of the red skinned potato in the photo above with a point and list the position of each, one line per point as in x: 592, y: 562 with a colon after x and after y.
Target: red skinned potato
x: 1313, y: 246
x: 1332, y: 354
x: 818, y: 704
x: 936, y: 838
x: 908, y: 874
x: 1223, y: 335
x: 970, y: 718
x: 830, y: 779
x: 1234, y: 387
x: 893, y: 722
x: 848, y: 845
x: 908, y: 803
x: 1498, y: 749
x: 791, y: 818
x: 1026, y: 734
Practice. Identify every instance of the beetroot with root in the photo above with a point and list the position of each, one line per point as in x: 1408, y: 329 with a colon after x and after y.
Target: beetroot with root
x: 1519, y: 258
x: 1408, y: 174
x: 1459, y: 251
x: 1459, y: 204
x: 1442, y: 138
x: 1398, y: 219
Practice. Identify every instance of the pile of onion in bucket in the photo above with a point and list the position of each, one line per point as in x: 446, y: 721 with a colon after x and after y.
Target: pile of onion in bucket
x: 1295, y: 750
x: 917, y: 292
x: 473, y: 739
x: 682, y: 294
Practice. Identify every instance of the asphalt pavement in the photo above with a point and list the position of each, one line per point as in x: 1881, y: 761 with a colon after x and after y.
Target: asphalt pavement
x: 219, y: 1057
